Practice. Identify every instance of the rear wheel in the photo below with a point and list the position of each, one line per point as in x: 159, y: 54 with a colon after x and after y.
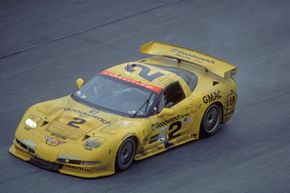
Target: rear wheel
x: 211, y: 120
x: 126, y: 154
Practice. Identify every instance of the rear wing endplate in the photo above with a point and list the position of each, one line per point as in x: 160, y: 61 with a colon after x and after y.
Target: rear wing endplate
x: 214, y: 65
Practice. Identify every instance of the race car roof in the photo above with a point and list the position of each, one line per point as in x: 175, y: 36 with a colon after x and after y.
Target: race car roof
x: 144, y: 75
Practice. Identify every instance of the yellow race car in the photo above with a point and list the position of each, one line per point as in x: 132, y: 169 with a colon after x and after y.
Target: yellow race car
x: 129, y: 112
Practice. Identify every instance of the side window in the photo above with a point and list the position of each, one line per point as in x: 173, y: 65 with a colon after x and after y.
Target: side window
x: 172, y: 95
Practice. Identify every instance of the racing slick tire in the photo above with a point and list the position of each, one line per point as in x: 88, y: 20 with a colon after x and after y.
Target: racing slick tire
x: 126, y: 154
x: 211, y: 120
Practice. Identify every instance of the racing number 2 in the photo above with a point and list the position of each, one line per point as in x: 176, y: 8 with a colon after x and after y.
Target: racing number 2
x: 77, y: 121
x: 144, y: 72
x: 173, y: 128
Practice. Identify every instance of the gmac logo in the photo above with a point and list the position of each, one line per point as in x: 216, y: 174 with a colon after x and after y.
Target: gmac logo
x: 212, y: 96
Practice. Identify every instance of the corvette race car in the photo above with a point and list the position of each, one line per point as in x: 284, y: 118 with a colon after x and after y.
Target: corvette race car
x: 129, y: 112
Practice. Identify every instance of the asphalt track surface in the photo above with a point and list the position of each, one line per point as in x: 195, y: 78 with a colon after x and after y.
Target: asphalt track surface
x: 46, y: 44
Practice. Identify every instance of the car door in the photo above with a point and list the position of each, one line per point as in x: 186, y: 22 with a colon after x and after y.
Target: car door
x: 173, y: 121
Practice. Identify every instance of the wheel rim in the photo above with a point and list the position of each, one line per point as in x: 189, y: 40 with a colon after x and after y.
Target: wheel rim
x: 211, y: 119
x: 126, y: 153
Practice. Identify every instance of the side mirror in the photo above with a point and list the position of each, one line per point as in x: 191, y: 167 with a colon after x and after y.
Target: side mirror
x: 165, y: 112
x: 80, y: 82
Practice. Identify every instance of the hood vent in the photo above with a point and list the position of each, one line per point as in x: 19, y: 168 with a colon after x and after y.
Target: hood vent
x: 66, y: 130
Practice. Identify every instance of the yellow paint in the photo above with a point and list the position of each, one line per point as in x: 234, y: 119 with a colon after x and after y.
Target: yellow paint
x: 53, y: 138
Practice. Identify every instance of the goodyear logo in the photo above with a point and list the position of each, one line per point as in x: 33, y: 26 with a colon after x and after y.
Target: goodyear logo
x: 189, y: 55
x: 90, y: 114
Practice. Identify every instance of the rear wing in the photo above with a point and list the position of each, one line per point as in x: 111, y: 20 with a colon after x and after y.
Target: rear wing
x: 214, y: 65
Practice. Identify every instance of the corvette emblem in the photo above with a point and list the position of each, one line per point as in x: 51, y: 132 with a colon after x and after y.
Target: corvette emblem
x: 53, y: 141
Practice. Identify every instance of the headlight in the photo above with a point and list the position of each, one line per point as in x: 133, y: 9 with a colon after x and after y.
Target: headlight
x: 30, y: 123
x: 93, y: 143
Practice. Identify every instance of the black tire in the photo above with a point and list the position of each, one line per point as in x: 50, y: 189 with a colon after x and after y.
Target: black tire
x: 210, y: 120
x: 126, y: 154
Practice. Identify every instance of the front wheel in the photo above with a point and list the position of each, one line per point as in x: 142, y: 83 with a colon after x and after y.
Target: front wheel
x: 126, y: 154
x: 211, y: 120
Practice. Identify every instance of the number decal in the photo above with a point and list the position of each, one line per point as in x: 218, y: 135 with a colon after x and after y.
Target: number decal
x: 173, y: 128
x: 77, y: 121
x: 144, y: 72
x: 230, y: 103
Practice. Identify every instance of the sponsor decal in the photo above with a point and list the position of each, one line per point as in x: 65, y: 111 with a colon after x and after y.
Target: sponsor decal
x: 53, y: 141
x: 90, y: 114
x: 212, y: 96
x: 189, y: 56
x: 230, y: 103
x: 136, y: 82
x: 169, y: 129
x: 168, y: 121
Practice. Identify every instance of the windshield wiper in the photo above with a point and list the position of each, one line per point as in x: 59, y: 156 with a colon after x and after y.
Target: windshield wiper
x: 145, y: 103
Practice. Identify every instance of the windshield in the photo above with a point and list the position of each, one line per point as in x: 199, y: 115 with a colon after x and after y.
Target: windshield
x: 116, y: 96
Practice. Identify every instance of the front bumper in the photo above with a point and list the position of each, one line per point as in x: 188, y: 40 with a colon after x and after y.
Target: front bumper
x: 86, y: 171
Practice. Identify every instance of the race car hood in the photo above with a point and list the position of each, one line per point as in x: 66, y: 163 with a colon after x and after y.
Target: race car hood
x: 73, y: 123
x: 69, y: 119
